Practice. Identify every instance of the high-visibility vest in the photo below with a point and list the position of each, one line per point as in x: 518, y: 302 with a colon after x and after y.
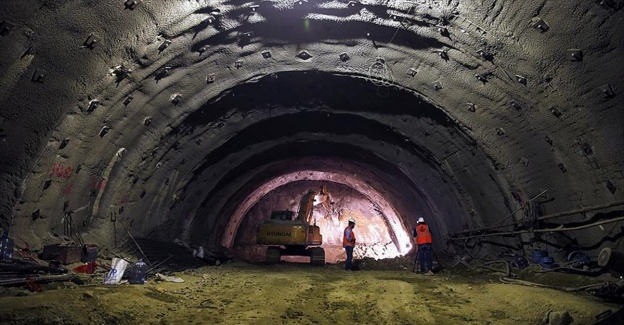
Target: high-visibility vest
x: 345, y: 242
x: 423, y: 236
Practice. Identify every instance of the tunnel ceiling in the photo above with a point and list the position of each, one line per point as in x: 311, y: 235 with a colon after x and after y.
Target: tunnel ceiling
x: 168, y: 115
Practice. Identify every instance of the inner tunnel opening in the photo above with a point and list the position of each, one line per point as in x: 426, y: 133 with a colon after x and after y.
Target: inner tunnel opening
x: 378, y: 236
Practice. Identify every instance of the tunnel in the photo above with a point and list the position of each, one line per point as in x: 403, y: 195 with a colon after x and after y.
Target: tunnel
x: 189, y: 122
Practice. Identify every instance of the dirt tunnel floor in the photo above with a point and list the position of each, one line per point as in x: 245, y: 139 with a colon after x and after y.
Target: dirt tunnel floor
x: 239, y: 293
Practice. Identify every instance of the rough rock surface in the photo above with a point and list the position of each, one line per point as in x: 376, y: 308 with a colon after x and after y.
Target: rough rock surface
x: 168, y: 116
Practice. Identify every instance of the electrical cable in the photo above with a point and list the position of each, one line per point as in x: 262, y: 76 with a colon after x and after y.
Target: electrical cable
x: 401, y: 24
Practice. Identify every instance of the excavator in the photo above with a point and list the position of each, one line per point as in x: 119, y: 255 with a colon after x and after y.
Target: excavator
x: 288, y: 236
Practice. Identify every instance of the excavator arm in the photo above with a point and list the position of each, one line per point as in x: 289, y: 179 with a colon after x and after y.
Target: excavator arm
x: 312, y: 198
x: 305, y: 206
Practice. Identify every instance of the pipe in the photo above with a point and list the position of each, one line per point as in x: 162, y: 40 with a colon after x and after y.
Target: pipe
x: 546, y: 217
x: 586, y: 209
x: 558, y: 229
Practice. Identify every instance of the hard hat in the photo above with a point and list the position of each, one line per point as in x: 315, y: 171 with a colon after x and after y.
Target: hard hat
x: 351, y: 220
x: 421, y: 220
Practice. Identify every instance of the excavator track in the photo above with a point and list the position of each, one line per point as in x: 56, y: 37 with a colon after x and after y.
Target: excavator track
x: 317, y: 256
x: 273, y: 255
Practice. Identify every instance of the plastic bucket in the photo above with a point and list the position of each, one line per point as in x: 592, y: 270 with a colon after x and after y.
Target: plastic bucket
x: 138, y: 273
x: 538, y: 255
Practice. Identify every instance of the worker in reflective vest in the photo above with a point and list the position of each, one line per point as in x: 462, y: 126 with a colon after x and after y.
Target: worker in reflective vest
x: 423, y: 239
x: 348, y: 242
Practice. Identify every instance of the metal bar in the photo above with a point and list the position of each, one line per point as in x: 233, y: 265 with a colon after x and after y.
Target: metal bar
x: 496, y: 225
x: 558, y: 229
x: 41, y: 279
x: 546, y: 217
x: 522, y: 207
x: 139, y: 247
x: 586, y: 209
x: 159, y: 264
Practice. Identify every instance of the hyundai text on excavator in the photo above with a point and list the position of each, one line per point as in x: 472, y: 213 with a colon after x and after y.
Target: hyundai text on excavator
x: 296, y: 237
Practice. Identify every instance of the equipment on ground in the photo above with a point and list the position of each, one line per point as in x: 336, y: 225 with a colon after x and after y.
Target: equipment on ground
x: 296, y: 237
x: 433, y: 253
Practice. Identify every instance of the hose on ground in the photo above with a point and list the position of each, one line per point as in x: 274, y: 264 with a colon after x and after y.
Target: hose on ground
x: 506, y: 271
x: 508, y: 280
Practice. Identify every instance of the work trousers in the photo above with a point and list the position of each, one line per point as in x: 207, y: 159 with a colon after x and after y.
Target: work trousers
x: 349, y: 250
x: 424, y: 257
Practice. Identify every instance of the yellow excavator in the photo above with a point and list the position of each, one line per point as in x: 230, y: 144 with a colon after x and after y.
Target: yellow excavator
x: 288, y: 236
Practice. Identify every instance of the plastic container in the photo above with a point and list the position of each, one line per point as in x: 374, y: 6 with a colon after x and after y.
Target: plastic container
x: 521, y: 262
x: 6, y: 246
x: 89, y: 253
x: 538, y: 255
x: 578, y: 259
x: 612, y: 260
x: 547, y: 262
x: 138, y: 273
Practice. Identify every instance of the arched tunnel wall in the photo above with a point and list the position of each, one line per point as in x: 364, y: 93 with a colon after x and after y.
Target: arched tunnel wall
x: 181, y: 108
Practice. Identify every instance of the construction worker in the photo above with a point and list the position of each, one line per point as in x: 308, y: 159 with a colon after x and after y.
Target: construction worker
x: 348, y: 242
x: 423, y: 239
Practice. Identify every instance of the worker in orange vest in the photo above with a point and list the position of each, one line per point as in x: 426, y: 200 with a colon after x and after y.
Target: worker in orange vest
x: 423, y: 239
x: 348, y: 242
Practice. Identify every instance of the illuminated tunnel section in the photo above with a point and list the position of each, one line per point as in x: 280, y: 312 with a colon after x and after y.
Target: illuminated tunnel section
x: 377, y: 220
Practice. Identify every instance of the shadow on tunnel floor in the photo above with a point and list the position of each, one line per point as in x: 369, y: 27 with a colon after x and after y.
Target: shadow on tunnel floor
x: 163, y: 257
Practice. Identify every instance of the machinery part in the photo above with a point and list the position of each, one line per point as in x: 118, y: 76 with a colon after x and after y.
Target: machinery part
x: 612, y: 260
x: 610, y: 317
x: 296, y: 235
x: 317, y: 256
x: 273, y: 255
x: 542, y: 218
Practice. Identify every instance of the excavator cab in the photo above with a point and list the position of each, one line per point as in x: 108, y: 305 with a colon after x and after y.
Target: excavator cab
x: 288, y: 236
x: 282, y: 215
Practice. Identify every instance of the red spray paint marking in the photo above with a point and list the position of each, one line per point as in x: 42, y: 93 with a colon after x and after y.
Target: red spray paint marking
x: 96, y: 183
x: 124, y: 200
x: 68, y: 189
x: 60, y: 170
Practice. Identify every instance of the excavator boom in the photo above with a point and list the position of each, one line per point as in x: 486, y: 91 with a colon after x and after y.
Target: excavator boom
x: 305, y: 207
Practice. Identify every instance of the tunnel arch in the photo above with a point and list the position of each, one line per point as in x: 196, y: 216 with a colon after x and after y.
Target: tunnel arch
x: 331, y: 120
x: 543, y: 143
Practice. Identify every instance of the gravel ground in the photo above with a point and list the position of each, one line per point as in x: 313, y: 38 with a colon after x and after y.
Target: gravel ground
x: 289, y: 293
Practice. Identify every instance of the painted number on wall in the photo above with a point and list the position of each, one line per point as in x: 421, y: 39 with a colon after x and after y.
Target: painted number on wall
x: 60, y: 170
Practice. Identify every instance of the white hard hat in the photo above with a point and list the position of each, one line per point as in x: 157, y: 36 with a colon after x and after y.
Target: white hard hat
x: 421, y: 220
x: 352, y: 220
